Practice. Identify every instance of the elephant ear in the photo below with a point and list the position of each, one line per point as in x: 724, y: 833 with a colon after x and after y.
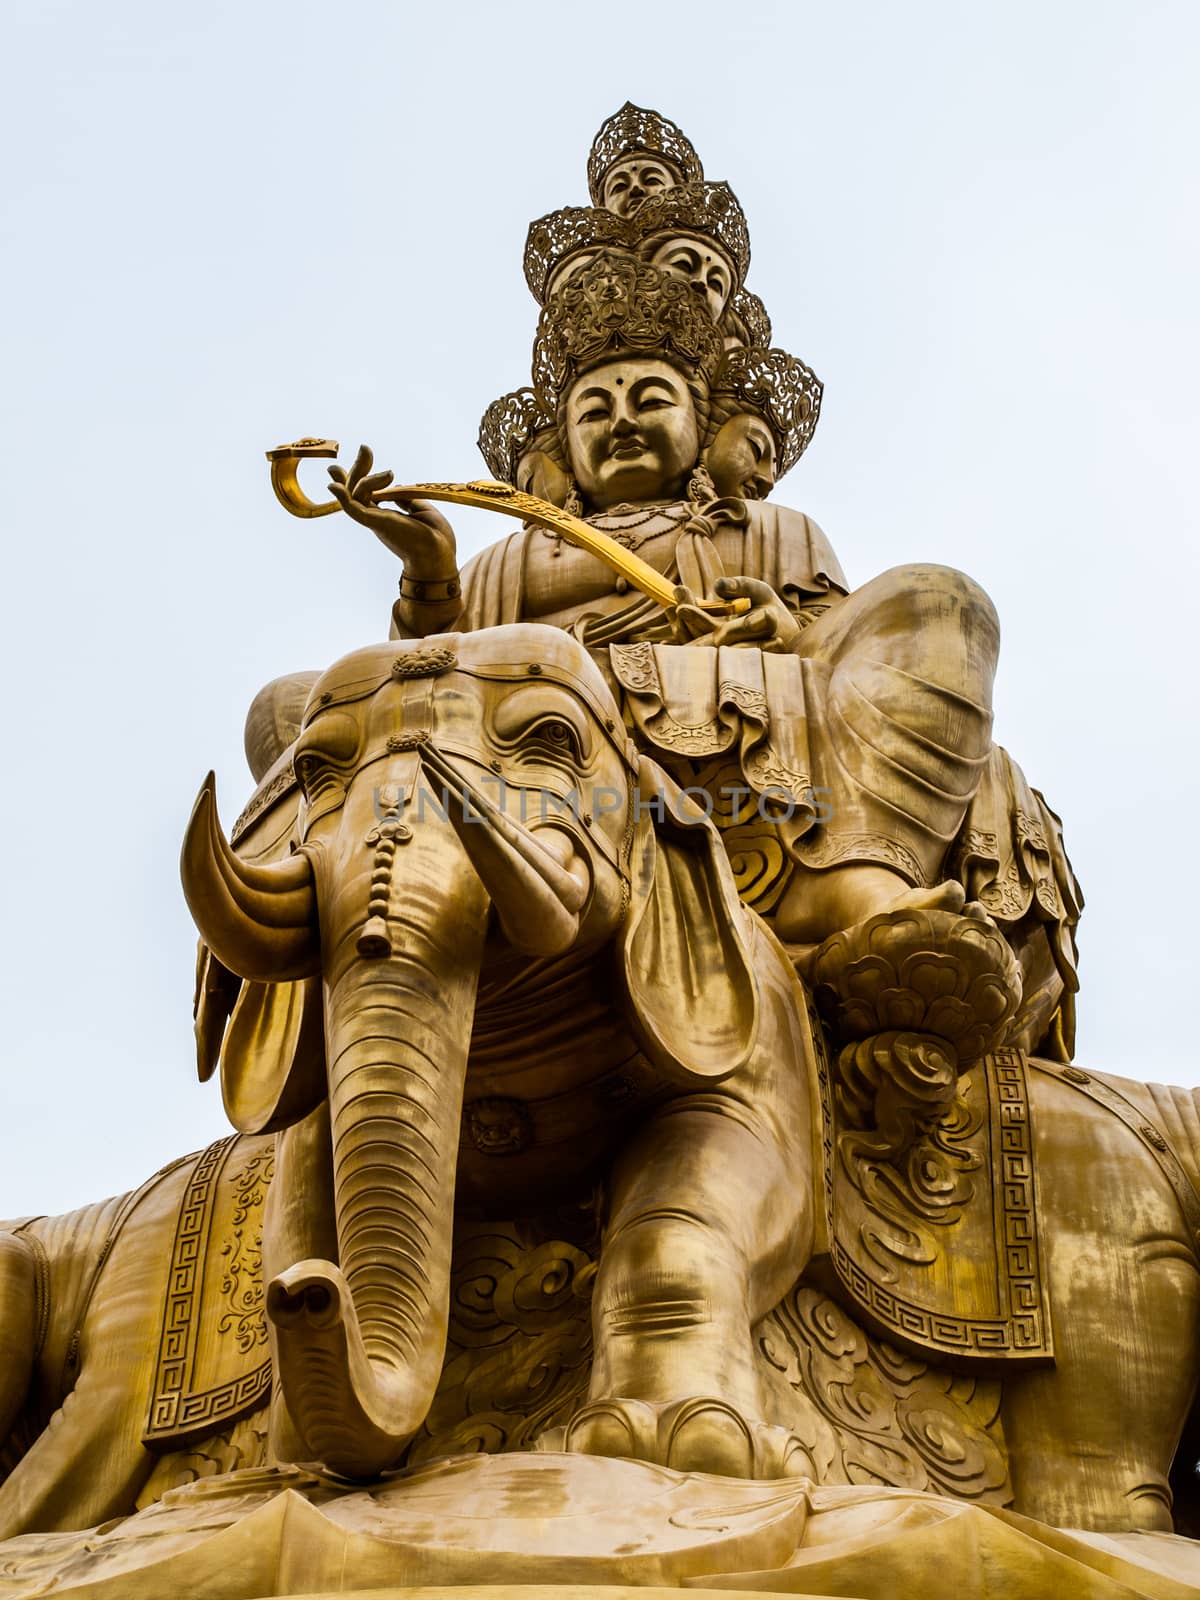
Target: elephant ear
x: 273, y: 1058
x: 273, y: 1051
x: 215, y: 997
x: 686, y: 964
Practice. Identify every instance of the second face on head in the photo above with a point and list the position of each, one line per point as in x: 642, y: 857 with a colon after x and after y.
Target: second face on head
x: 700, y: 263
x: 743, y: 459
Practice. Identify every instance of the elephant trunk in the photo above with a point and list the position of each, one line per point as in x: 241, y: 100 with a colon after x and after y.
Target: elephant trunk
x: 360, y: 1348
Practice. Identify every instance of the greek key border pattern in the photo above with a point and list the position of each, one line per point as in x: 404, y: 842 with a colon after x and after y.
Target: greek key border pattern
x: 177, y: 1345
x: 1024, y: 1332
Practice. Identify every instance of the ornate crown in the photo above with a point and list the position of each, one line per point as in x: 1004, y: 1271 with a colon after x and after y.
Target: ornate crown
x: 782, y: 390
x: 561, y: 234
x: 633, y: 128
x: 506, y: 430
x: 617, y: 306
x: 711, y: 210
x: 750, y: 317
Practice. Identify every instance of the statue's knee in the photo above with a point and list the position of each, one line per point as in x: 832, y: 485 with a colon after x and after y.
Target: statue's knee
x: 916, y: 597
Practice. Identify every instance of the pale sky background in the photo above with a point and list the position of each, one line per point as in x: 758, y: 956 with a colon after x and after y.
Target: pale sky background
x: 227, y: 225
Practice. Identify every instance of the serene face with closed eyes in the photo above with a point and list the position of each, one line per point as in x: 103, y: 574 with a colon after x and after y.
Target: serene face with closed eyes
x: 698, y: 261
x: 742, y: 459
x: 631, y: 433
x: 637, y: 178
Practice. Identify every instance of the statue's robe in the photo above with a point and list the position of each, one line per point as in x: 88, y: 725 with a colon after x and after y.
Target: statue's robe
x: 782, y: 547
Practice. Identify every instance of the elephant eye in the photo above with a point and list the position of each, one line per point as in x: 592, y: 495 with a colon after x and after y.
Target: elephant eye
x: 314, y: 775
x: 555, y: 737
x: 330, y: 740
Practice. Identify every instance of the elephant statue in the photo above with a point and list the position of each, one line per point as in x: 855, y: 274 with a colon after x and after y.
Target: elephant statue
x: 535, y: 975
x: 504, y: 966
x: 460, y: 872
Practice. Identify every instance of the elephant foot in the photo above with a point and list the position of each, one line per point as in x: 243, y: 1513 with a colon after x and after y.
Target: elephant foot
x: 697, y: 1434
x: 353, y: 1415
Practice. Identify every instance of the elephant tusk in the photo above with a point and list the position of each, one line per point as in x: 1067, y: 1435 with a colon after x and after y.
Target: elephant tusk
x: 259, y: 920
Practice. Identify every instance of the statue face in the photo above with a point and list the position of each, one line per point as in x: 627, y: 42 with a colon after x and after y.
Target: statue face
x: 631, y: 432
x: 703, y: 266
x: 627, y: 183
x: 742, y: 458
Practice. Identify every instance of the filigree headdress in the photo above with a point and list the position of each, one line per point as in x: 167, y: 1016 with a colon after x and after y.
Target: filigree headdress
x: 749, y: 320
x: 617, y: 306
x: 553, y: 239
x: 705, y: 210
x: 508, y: 428
x: 634, y: 128
x: 781, y: 390
x: 711, y: 210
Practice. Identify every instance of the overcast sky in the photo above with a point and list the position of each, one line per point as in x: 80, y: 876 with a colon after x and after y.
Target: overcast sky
x: 227, y: 225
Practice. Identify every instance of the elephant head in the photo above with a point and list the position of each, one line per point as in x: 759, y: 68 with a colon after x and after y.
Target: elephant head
x: 458, y: 794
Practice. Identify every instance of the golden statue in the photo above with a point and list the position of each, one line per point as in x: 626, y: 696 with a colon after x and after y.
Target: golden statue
x: 643, y: 996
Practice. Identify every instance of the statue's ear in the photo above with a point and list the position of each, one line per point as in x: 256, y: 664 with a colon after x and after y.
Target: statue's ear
x: 685, y: 958
x: 273, y: 1058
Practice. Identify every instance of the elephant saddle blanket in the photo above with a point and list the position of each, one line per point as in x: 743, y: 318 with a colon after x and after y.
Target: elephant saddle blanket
x: 938, y: 1248
x: 213, y: 1362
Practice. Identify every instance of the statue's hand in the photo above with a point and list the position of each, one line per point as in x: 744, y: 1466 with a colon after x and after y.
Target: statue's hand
x: 768, y: 625
x: 691, y: 624
x: 419, y: 534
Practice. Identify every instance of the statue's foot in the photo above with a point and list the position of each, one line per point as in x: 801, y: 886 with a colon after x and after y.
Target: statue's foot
x: 819, y: 904
x: 697, y: 1434
x: 948, y: 896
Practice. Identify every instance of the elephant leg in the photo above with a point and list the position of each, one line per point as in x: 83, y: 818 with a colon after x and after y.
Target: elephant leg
x: 708, y: 1226
x: 298, y: 1225
x: 18, y: 1325
x: 87, y: 1465
x: 1091, y: 1440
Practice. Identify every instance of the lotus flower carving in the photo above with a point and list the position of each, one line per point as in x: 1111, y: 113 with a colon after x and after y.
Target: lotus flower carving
x: 930, y: 972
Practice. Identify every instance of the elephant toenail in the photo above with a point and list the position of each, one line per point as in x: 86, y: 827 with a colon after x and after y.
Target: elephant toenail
x: 707, y: 1436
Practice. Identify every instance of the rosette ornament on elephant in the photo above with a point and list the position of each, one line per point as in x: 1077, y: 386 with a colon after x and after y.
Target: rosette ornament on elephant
x: 535, y: 973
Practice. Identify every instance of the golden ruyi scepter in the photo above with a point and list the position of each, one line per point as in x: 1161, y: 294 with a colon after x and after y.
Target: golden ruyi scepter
x: 489, y: 496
